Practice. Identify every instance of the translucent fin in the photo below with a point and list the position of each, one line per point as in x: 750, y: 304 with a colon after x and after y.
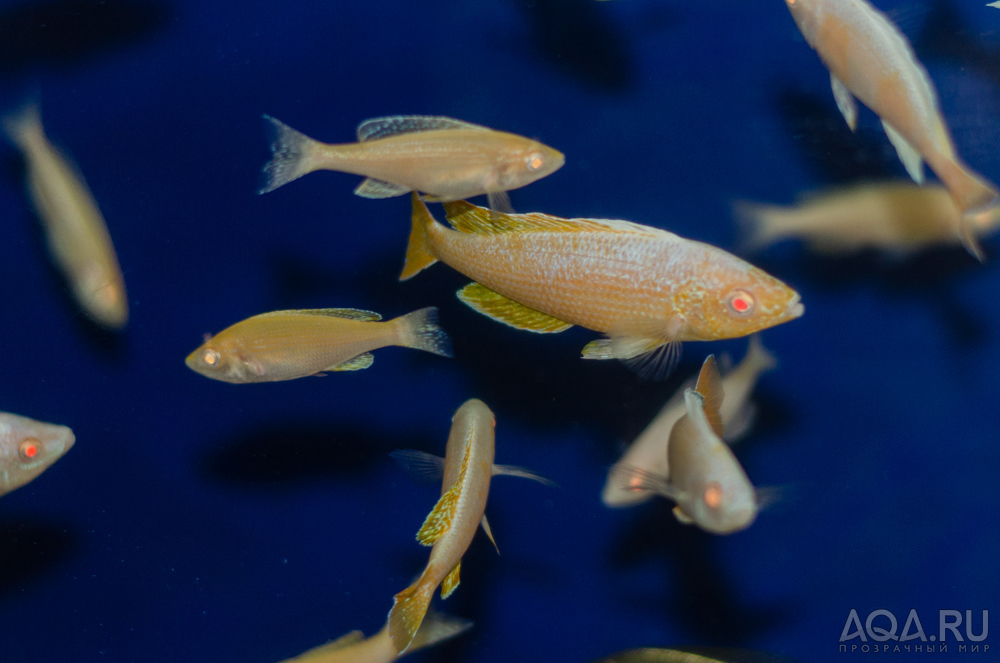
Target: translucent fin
x: 420, y: 465
x: 373, y: 188
x: 408, y: 610
x: 436, y: 628
x: 290, y: 156
x: 629, y: 477
x: 758, y: 224
x: 515, y: 471
x: 496, y: 306
x: 383, y: 127
x: 419, y: 255
x: 438, y: 521
x: 468, y: 218
x: 348, y: 313
x: 358, y: 363
x: 421, y: 331
x: 656, y: 363
x: 760, y: 358
x: 845, y: 102
x: 486, y: 528
x: 500, y: 202
x: 450, y: 581
x: 740, y: 424
x: 911, y: 159
x: 768, y: 496
x: 710, y: 387
x: 682, y: 517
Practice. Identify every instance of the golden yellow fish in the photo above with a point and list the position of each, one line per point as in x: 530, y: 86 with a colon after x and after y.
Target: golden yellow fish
x: 646, y: 288
x: 444, y: 158
x: 284, y: 345
x: 77, y: 235
x: 693, y: 655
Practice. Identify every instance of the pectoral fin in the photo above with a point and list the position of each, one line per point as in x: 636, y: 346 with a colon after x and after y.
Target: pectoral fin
x: 500, y: 202
x: 509, y: 312
x: 419, y: 465
x: 845, y: 102
x: 486, y: 528
x: 651, y: 358
x: 373, y: 188
x: 358, y: 363
x: 911, y: 159
x: 682, y: 517
x: 450, y: 581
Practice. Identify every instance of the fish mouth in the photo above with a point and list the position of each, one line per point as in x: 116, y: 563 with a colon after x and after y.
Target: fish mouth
x: 795, y: 308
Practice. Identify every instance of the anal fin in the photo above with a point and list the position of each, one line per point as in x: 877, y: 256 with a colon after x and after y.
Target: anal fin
x: 911, y: 159
x: 373, y: 188
x: 505, y: 310
x: 845, y: 102
x: 486, y: 528
x: 450, y: 581
x: 358, y: 363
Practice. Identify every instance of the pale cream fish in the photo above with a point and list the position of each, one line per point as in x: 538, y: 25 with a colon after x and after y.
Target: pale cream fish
x: 77, y: 235
x: 28, y: 448
x: 649, y: 451
x: 284, y: 345
x: 443, y: 158
x: 693, y: 655
x: 706, y: 481
x: 354, y: 647
x: 466, y: 469
x: 899, y: 217
x: 869, y: 58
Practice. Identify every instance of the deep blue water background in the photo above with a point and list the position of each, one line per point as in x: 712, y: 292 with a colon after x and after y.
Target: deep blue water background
x: 201, y: 521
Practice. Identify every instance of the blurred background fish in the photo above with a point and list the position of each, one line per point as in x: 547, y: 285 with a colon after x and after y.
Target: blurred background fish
x: 28, y: 448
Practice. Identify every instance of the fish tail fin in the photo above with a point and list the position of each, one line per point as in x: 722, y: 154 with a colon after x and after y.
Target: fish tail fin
x: 23, y: 124
x: 291, y: 156
x: 419, y: 255
x: 420, y: 330
x: 437, y: 627
x: 760, y: 358
x: 407, y: 614
x: 759, y: 224
x: 974, y: 197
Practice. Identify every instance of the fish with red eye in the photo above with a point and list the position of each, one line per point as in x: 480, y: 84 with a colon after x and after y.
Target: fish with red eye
x: 28, y: 448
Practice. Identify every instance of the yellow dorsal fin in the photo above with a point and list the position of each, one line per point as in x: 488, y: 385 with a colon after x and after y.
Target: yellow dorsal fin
x: 343, y: 642
x: 349, y: 313
x: 468, y: 218
x: 450, y: 581
x: 509, y: 312
x: 358, y: 363
x: 439, y: 520
x: 710, y: 387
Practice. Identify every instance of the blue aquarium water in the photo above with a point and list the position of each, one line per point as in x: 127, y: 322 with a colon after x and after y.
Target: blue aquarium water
x: 201, y: 521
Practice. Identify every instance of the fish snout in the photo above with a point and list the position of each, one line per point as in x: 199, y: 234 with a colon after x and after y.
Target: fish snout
x: 795, y: 308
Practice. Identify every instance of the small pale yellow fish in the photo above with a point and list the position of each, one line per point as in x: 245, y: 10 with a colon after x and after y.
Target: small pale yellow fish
x: 893, y: 216
x: 646, y: 288
x: 649, y: 451
x: 28, y: 448
x: 466, y: 469
x: 354, y: 647
x: 693, y: 655
x: 869, y: 58
x: 77, y: 235
x: 284, y: 345
x: 706, y: 481
x: 444, y: 158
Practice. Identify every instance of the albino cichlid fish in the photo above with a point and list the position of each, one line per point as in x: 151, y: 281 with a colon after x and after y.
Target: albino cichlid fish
x: 693, y: 655
x: 649, y: 451
x: 449, y: 528
x: 869, y: 58
x: 284, y: 345
x: 354, y: 647
x: 900, y: 217
x: 77, y: 236
x: 646, y: 288
x: 28, y: 448
x: 705, y: 480
x: 443, y: 158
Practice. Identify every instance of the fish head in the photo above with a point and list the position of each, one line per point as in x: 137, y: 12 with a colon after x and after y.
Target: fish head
x: 215, y: 359
x: 526, y: 161
x: 737, y: 300
x: 724, y: 500
x: 807, y: 16
x: 28, y: 448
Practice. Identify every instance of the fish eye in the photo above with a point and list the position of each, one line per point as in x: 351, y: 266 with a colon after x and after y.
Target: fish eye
x: 535, y: 160
x: 740, y: 302
x: 29, y: 448
x: 713, y: 495
x: 210, y: 357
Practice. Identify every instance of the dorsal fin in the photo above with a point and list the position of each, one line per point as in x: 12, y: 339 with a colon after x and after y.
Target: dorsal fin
x: 710, y: 387
x: 468, y: 218
x: 383, y: 127
x: 349, y: 313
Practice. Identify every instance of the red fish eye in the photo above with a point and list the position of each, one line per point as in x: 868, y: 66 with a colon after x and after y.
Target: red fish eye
x: 29, y: 448
x: 535, y: 161
x: 741, y: 302
x: 713, y: 495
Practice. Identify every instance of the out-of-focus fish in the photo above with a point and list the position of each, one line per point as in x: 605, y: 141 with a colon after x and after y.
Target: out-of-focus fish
x: 646, y: 288
x: 466, y: 469
x: 284, y: 345
x: 77, y: 235
x: 894, y: 216
x: 693, y: 655
x: 869, y: 58
x: 355, y: 648
x: 444, y: 158
x: 649, y: 451
x: 27, y: 448
x: 706, y: 481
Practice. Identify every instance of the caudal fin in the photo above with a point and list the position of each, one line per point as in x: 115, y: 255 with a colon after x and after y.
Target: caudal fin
x: 438, y: 627
x: 973, y: 196
x: 407, y: 614
x: 291, y: 153
x: 418, y: 253
x: 420, y: 330
x: 758, y: 227
x: 759, y: 357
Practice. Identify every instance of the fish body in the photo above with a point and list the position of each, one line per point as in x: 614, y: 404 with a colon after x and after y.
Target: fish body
x: 893, y: 216
x: 452, y: 524
x: 869, y: 58
x: 693, y: 655
x: 75, y: 230
x: 445, y: 158
x: 284, y: 345
x: 642, y: 286
x: 649, y: 451
x: 28, y: 448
